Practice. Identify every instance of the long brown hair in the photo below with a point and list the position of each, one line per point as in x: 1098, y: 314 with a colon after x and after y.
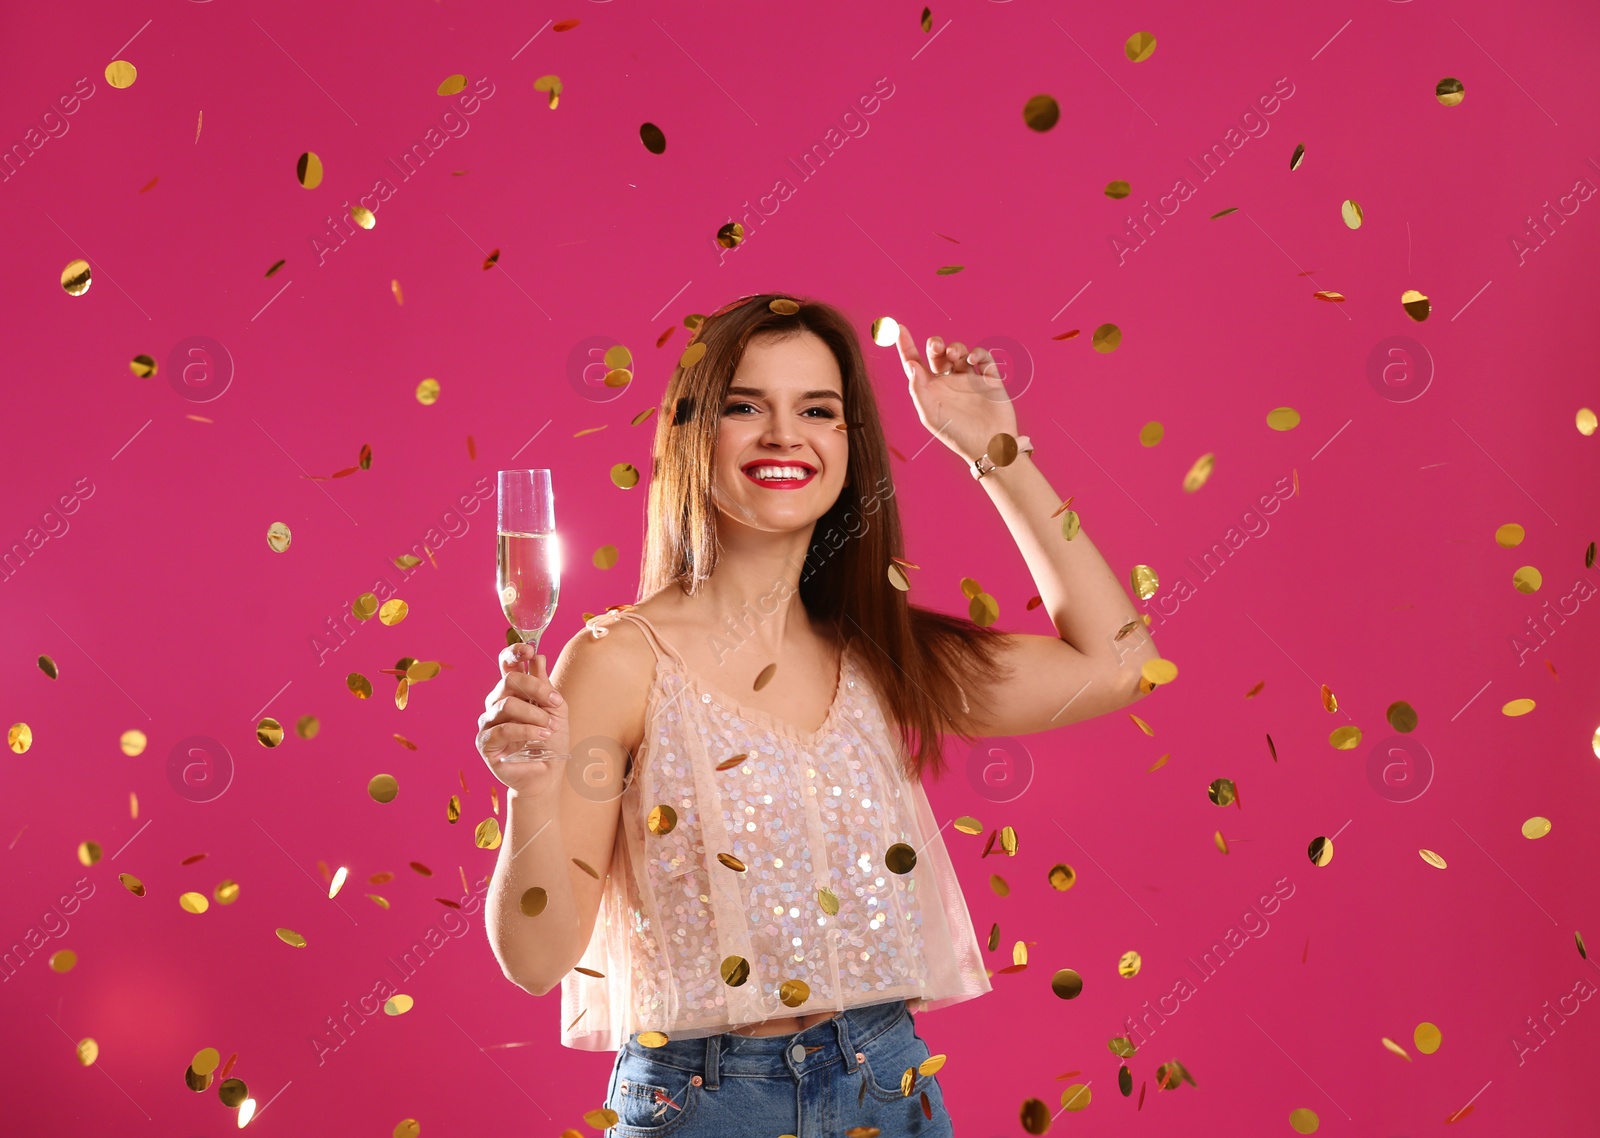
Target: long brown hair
x: 922, y: 662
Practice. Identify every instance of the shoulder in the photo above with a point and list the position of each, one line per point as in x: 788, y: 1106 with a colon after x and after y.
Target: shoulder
x: 605, y: 671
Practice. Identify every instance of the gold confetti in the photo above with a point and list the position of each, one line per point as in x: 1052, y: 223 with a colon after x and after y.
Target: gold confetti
x: 486, y: 836
x: 20, y: 738
x: 63, y: 960
x: 291, y: 938
x: 1536, y: 827
x: 1106, y: 338
x: 1427, y: 1037
x: 1129, y: 964
x: 1396, y: 1048
x: 89, y: 852
x: 1449, y: 92
x: 1351, y: 212
x: 269, y: 732
x: 651, y: 1039
x: 1041, y: 112
x: 968, y: 824
x: 998, y: 884
x: 1159, y: 671
x: 398, y: 1005
x: 399, y: 297
x: 1075, y: 1098
x: 1199, y: 474
x: 1518, y: 707
x: 1320, y: 851
x: 363, y: 216
x: 428, y: 392
x: 1062, y: 877
x: 625, y: 476
x: 1222, y: 791
x: 1139, y: 47
x: 1220, y: 841
x: 793, y: 993
x: 1415, y: 304
x: 76, y: 278
x: 655, y: 141
x: 88, y: 1051
x: 735, y: 971
x: 552, y: 85
x: 1067, y: 984
x: 1118, y: 190
x: 121, y: 74
x: 194, y: 902
x: 900, y: 858
x: 1345, y: 738
x: 383, y: 787
x: 731, y: 862
x: 1303, y: 1121
x: 226, y: 892
x: 393, y: 611
x: 131, y: 883
x: 1431, y: 858
x: 407, y: 1128
x: 453, y: 85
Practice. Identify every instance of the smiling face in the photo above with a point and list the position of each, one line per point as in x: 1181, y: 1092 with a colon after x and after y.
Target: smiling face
x: 780, y: 412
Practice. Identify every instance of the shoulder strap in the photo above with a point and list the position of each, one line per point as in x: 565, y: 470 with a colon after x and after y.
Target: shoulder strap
x: 657, y: 645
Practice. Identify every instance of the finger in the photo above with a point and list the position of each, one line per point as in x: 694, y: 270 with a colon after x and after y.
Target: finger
x: 938, y: 356
x: 526, y: 692
x: 502, y: 738
x: 909, y: 359
x: 512, y: 658
x: 983, y: 362
x: 956, y: 357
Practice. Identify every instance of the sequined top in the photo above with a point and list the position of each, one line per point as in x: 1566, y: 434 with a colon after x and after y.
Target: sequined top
x: 688, y: 944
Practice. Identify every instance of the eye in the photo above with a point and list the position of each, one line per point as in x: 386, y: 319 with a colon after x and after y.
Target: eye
x: 827, y: 412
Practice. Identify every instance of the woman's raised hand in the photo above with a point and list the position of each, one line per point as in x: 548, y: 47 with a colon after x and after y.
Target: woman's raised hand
x: 524, y: 709
x: 959, y: 394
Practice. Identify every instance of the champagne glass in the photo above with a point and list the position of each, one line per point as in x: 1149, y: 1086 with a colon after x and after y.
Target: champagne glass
x: 529, y: 564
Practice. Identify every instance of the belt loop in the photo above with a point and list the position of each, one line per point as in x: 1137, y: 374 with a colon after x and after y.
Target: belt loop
x: 846, y: 1048
x: 713, y: 1051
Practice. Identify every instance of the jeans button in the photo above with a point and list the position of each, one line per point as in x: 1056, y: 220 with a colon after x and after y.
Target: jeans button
x: 860, y: 1058
x: 798, y: 1053
x: 695, y: 1080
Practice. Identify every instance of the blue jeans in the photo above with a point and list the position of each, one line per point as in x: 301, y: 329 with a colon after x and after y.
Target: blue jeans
x: 816, y: 1083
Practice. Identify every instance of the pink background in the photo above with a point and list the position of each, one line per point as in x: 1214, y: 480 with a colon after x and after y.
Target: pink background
x: 167, y: 612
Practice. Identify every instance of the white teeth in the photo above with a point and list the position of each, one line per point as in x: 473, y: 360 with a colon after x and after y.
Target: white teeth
x: 778, y: 473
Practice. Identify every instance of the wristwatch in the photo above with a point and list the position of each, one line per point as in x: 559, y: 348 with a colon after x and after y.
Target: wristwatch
x: 983, y: 464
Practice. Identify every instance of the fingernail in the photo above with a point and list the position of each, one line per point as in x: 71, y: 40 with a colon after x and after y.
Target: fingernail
x: 555, y: 697
x: 543, y: 732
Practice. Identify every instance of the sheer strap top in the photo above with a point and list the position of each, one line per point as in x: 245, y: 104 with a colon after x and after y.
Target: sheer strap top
x: 762, y: 871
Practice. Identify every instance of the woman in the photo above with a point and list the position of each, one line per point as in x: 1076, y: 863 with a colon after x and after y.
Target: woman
x: 747, y: 894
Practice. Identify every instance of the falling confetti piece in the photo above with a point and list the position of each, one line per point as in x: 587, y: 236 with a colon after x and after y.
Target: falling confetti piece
x: 550, y: 84
x: 1449, y: 92
x: 398, y: 1005
x: 1304, y: 1121
x: 1536, y: 827
x: 1427, y: 1037
x: 76, y: 278
x: 291, y: 938
x: 1041, y: 113
x: 1432, y: 858
x: 121, y: 74
x: 1140, y: 46
x: 1415, y: 304
x: 1351, y: 212
x: 88, y: 1051
x: 1396, y: 1048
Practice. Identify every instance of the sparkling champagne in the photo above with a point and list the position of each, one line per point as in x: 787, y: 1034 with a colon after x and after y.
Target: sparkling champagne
x: 529, y: 581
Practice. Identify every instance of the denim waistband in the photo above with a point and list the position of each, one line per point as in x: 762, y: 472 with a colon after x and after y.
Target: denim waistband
x: 767, y: 1056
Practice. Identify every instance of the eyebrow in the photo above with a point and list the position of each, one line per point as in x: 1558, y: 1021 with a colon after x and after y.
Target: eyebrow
x: 756, y: 391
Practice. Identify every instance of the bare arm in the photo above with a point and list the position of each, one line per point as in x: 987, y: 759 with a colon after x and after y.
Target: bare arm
x: 1087, y: 671
x: 570, y: 813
